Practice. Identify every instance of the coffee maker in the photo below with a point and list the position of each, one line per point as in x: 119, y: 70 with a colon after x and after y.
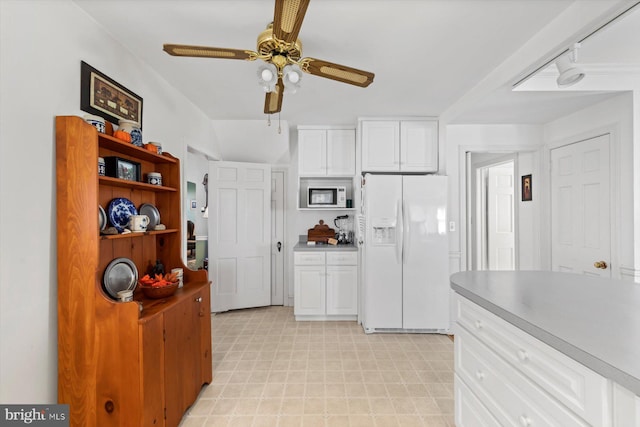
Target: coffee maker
x: 344, y: 235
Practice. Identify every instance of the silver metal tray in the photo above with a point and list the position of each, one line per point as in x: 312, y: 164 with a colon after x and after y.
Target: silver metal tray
x: 120, y: 275
x: 152, y: 212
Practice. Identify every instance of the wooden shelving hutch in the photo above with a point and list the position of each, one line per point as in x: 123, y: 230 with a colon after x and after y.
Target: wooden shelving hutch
x: 139, y: 363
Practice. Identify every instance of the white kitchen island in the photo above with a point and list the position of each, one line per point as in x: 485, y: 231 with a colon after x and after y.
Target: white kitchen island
x: 537, y: 348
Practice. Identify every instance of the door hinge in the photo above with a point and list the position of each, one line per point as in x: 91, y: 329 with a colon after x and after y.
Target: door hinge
x: 164, y: 336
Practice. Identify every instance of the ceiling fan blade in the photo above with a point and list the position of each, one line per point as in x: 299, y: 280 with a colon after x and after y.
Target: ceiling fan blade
x: 273, y: 100
x: 337, y: 72
x: 209, y: 52
x: 287, y: 19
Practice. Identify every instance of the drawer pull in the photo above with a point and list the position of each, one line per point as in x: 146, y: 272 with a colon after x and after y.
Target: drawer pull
x: 478, y: 324
x: 524, y: 421
x: 523, y: 355
x: 480, y: 375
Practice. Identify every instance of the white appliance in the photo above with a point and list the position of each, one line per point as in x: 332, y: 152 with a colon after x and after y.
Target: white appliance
x: 406, y: 254
x: 327, y: 197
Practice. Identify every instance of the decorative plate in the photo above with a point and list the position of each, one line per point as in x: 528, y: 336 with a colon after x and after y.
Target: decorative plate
x: 152, y: 212
x: 120, y: 275
x: 102, y: 218
x: 120, y: 209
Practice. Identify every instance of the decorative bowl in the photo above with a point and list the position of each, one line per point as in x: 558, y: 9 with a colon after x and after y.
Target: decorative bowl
x: 157, y: 292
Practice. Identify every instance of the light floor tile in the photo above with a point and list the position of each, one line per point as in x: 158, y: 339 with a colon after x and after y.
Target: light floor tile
x: 270, y: 370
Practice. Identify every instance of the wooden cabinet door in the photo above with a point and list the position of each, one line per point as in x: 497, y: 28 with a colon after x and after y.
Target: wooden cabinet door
x: 204, y: 314
x: 341, y: 152
x: 309, y: 283
x: 312, y: 152
x: 182, y: 369
x: 342, y: 289
x: 152, y: 362
x: 419, y: 146
x: 380, y: 146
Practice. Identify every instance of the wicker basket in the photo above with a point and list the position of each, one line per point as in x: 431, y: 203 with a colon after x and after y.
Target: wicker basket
x: 159, y: 291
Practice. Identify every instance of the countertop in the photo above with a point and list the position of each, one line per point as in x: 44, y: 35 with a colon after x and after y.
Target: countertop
x: 303, y: 247
x: 592, y: 320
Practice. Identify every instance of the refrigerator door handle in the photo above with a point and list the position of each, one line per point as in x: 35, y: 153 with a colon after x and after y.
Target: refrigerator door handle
x: 406, y: 242
x: 399, y: 232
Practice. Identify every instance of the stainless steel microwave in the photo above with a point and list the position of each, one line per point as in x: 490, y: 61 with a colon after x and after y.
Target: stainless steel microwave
x: 327, y: 197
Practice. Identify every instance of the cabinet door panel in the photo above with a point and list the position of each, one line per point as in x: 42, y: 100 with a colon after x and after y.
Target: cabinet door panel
x: 204, y: 313
x: 182, y: 362
x: 312, y: 152
x: 342, y: 290
x: 152, y: 372
x: 341, y: 152
x: 419, y: 146
x: 380, y: 146
x: 309, y: 290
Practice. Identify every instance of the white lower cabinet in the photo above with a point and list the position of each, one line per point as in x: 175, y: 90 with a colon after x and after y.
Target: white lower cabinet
x: 518, y: 380
x: 326, y: 285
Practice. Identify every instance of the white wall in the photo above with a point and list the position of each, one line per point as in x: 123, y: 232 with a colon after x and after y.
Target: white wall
x: 41, y: 46
x: 525, y: 139
x: 615, y: 116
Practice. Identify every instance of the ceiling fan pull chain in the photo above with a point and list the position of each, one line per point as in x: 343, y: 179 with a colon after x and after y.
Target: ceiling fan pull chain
x: 279, y: 128
x: 269, y: 120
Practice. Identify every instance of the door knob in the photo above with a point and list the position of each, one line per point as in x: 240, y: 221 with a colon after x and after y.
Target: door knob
x: 279, y: 245
x: 600, y: 264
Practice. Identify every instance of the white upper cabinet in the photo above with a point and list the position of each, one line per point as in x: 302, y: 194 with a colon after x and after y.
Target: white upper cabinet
x: 399, y: 145
x: 326, y: 152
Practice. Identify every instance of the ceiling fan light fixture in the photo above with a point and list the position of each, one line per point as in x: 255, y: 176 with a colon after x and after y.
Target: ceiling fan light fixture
x: 570, y: 72
x: 291, y: 76
x: 268, y: 77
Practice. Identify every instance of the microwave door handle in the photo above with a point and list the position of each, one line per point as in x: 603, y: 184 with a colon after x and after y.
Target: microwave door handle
x: 399, y: 232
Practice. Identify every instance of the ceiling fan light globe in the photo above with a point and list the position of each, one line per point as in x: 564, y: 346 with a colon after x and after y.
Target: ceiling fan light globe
x: 266, y: 75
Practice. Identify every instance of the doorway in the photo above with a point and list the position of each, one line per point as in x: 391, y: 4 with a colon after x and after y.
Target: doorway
x: 491, y: 211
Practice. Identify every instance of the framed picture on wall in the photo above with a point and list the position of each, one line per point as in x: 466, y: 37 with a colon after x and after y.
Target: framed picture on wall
x: 104, y: 97
x: 526, y: 188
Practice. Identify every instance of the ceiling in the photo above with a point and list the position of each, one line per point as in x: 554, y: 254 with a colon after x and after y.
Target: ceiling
x: 425, y: 55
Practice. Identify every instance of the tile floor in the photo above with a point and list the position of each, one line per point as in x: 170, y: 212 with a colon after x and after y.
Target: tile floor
x: 269, y: 370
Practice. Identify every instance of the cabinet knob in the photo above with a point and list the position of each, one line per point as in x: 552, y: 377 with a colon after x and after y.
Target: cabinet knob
x: 199, y: 299
x: 480, y: 375
x: 109, y: 406
x: 524, y: 421
x: 523, y: 355
x: 600, y: 264
x: 478, y: 324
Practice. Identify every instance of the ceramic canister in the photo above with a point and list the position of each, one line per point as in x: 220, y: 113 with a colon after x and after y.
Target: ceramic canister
x: 101, y: 166
x: 154, y: 178
x: 95, y: 121
x: 133, y: 129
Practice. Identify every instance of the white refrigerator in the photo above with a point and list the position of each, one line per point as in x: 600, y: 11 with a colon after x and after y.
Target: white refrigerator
x: 406, y: 254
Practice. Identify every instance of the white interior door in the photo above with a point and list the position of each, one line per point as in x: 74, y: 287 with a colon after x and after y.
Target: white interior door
x: 240, y: 245
x: 501, y: 244
x: 277, y: 238
x: 581, y: 207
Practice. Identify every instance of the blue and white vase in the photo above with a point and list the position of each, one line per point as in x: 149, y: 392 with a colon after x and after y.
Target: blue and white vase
x: 132, y: 128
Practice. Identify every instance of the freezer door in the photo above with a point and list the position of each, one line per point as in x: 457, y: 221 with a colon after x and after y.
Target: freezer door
x: 425, y: 253
x: 382, y: 282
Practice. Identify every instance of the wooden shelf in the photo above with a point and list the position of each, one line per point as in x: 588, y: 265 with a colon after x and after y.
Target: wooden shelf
x: 117, y: 182
x: 129, y: 149
x: 146, y: 233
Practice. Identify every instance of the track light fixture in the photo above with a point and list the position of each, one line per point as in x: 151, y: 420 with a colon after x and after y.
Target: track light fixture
x: 570, y: 73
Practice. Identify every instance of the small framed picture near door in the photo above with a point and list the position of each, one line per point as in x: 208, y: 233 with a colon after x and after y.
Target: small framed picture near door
x: 526, y: 188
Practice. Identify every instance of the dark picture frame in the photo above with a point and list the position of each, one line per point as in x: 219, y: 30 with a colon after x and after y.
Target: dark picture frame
x: 104, y: 97
x: 117, y: 167
x: 527, y: 195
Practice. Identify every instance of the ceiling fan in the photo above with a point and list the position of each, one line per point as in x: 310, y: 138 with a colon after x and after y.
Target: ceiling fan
x: 280, y: 48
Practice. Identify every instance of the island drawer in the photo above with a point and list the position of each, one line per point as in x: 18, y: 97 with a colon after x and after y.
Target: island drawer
x: 342, y: 258
x: 308, y: 258
x: 576, y: 386
x: 470, y: 412
x: 508, y: 395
